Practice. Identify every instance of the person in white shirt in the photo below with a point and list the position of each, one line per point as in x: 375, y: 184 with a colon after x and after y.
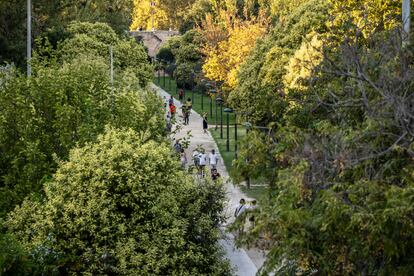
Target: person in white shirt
x: 213, y: 159
x: 240, y: 208
x: 203, y: 162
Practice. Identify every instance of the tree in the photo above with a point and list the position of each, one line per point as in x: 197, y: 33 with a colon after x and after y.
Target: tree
x: 66, y: 102
x: 108, y: 209
x: 50, y: 19
x: 223, y: 62
x: 339, y: 139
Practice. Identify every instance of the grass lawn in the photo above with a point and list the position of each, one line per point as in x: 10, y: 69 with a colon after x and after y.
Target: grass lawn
x: 201, y: 103
x: 257, y: 190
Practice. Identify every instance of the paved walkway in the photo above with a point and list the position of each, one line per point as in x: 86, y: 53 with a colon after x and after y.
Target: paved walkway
x: 245, y: 263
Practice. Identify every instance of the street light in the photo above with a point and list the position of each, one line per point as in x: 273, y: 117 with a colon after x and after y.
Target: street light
x: 228, y: 111
x: 163, y: 73
x: 235, y: 134
x: 212, y: 92
x: 192, y: 87
x: 220, y: 102
x: 169, y: 81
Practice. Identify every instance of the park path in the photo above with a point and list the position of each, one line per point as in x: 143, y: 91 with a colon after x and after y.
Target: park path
x: 245, y: 262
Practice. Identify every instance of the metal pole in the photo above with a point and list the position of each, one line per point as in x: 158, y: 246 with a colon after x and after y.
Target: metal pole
x: 202, y: 99
x: 216, y: 114
x: 228, y: 136
x: 192, y: 88
x: 163, y: 73
x: 406, y: 18
x: 211, y: 107
x: 235, y: 135
x: 221, y: 120
x: 176, y: 85
x: 169, y: 83
x: 29, y: 37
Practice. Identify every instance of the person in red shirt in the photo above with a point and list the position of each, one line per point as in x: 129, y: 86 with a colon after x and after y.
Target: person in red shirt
x: 172, y: 110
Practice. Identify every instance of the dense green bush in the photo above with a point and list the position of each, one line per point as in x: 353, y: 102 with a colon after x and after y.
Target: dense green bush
x: 123, y: 206
x: 67, y: 102
x: 185, y: 52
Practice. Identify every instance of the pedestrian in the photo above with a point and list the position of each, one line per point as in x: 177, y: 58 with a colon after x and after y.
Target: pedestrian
x: 240, y: 208
x: 205, y: 122
x: 181, y: 95
x: 214, y: 174
x: 172, y: 110
x: 187, y: 117
x: 183, y: 159
x: 251, y: 208
x: 203, y: 162
x: 189, y: 104
x: 183, y: 110
x: 171, y: 101
x: 168, y: 122
x: 213, y: 159
x: 196, y: 159
x: 177, y: 146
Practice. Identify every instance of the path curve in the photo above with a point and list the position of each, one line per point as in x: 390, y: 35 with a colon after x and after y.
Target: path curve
x: 244, y: 264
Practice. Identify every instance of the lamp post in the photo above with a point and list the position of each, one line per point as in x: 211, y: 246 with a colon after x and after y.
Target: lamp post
x: 228, y: 111
x: 221, y: 118
x: 163, y: 73
x: 219, y: 101
x: 175, y: 78
x: 216, y: 114
x: 235, y: 135
x: 202, y: 97
x: 169, y: 82
x: 192, y: 86
x: 212, y: 92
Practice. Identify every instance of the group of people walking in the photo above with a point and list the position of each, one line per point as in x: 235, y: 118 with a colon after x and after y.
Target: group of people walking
x: 200, y: 160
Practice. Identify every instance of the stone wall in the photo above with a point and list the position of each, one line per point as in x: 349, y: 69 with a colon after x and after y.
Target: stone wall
x: 153, y: 40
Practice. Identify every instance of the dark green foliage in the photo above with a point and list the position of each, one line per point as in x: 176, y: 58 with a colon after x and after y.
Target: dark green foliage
x: 123, y: 206
x: 68, y: 101
x: 50, y: 19
x: 338, y: 152
x: 186, y: 55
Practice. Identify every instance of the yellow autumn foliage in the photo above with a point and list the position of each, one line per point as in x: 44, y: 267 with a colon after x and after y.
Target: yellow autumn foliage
x: 142, y: 15
x: 302, y: 64
x: 223, y: 61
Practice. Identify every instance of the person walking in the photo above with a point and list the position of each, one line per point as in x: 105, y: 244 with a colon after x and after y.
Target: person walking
x: 187, y: 116
x: 189, y: 104
x: 196, y: 159
x: 240, y: 209
x: 172, y: 110
x: 183, y: 159
x: 177, y: 146
x: 171, y: 101
x: 203, y: 162
x: 181, y: 95
x: 213, y: 159
x: 183, y: 110
x: 214, y: 174
x: 205, y: 122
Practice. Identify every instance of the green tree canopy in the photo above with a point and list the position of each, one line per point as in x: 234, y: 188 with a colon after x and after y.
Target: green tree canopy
x: 122, y: 205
